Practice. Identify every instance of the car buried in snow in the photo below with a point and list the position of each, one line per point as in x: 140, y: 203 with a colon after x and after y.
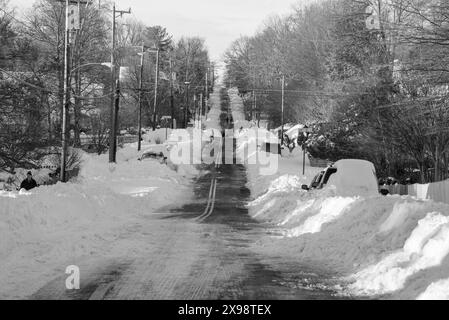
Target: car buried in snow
x: 349, y: 177
x: 158, y: 156
x: 158, y: 153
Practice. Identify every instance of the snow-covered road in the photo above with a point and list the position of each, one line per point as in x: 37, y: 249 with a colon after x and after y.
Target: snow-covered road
x: 201, y: 250
x: 142, y: 230
x: 175, y: 256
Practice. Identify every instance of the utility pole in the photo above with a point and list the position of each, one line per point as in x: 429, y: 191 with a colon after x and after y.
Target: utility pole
x: 116, y: 110
x: 66, y: 97
x: 282, y: 112
x: 76, y: 62
x: 155, y: 90
x: 172, y: 98
x: 257, y: 111
x: 195, y: 107
x: 139, y: 143
x: 206, y: 99
x: 213, y: 74
x: 77, y: 23
x: 253, y: 106
x: 115, y: 89
x: 186, y: 99
x: 112, y: 128
x: 186, y: 111
x: 201, y: 111
x: 67, y: 85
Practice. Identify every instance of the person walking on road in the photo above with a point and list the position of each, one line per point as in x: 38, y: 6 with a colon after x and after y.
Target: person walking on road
x: 29, y: 183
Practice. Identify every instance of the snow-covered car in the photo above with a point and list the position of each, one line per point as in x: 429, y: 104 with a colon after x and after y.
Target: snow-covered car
x: 159, y: 153
x: 316, y: 182
x: 159, y: 156
x: 350, y: 177
x: 321, y: 179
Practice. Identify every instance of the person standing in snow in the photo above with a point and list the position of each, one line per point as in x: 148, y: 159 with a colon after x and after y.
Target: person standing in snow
x: 29, y: 183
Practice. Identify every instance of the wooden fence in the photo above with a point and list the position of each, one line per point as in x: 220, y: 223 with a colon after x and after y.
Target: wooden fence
x: 438, y: 191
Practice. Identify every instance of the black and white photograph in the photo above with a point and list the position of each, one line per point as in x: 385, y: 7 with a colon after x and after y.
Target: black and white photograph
x: 220, y: 155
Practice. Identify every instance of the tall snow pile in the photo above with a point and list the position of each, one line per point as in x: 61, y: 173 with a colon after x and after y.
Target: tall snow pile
x: 426, y: 247
x: 436, y: 291
x: 136, y: 178
x: 392, y: 245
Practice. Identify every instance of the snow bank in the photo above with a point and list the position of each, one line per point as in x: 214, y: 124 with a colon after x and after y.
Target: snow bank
x: 158, y: 136
x: 426, y: 247
x: 378, y: 244
x: 132, y: 177
x: 330, y: 210
x: 436, y: 291
x: 61, y: 209
x: 52, y: 224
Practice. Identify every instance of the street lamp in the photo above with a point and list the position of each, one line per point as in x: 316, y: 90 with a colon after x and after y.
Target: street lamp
x: 282, y: 110
x: 105, y: 64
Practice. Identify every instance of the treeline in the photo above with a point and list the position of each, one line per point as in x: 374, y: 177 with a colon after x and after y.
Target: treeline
x: 32, y: 77
x: 371, y: 77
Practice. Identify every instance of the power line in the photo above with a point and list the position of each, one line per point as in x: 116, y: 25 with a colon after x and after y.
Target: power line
x: 14, y: 18
x: 92, y: 98
x: 349, y: 94
x: 25, y: 82
x: 47, y: 90
x: 412, y: 102
x: 305, y: 92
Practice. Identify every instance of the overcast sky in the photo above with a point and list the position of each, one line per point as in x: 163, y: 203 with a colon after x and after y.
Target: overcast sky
x: 219, y: 22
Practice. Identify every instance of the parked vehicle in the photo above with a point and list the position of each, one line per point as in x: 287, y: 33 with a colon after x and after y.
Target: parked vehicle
x: 159, y: 153
x: 321, y: 179
x: 158, y: 156
x: 350, y: 177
